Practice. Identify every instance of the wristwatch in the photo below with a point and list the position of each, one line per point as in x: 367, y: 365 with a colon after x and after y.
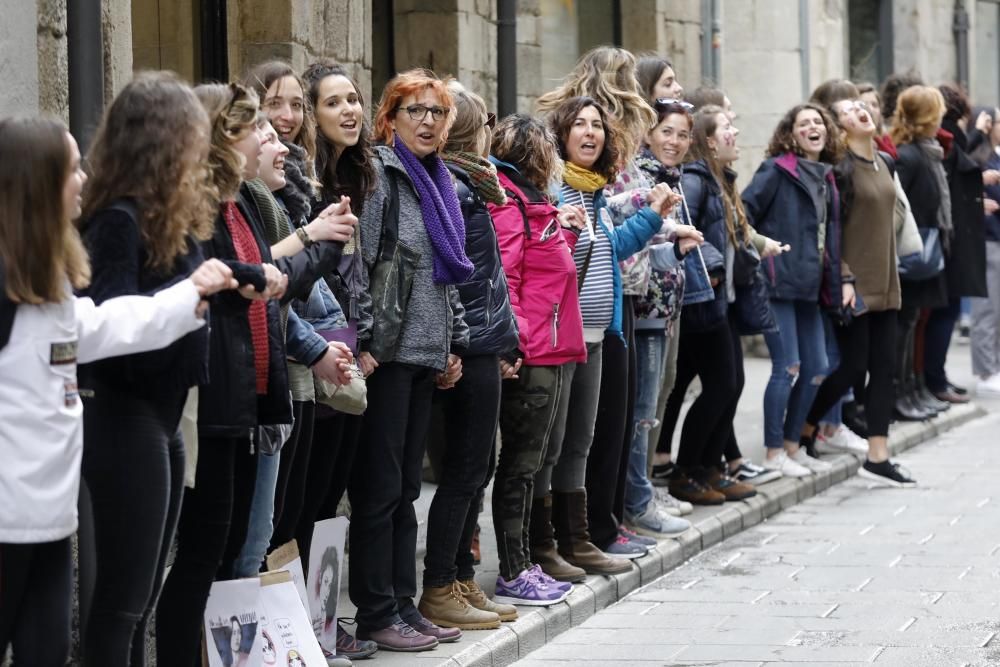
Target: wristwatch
x: 304, y: 237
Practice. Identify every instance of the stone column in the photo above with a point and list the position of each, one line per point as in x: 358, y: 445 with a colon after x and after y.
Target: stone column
x: 116, y: 29
x: 529, y: 54
x: 53, y: 59
x: 670, y: 28
x: 19, y: 64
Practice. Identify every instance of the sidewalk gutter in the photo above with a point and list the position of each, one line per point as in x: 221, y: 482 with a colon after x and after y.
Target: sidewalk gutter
x: 536, y: 626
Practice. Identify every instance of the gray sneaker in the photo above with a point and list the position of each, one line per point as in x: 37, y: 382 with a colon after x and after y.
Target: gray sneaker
x: 623, y: 547
x: 657, y: 523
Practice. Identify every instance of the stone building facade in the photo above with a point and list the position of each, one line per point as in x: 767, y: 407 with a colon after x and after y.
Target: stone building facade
x: 766, y: 54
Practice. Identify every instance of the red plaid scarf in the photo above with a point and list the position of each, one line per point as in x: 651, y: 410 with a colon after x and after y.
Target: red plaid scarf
x: 248, y: 253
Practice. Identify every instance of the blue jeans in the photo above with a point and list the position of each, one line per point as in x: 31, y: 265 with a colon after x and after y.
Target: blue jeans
x: 261, y: 513
x: 833, y: 415
x: 798, y: 367
x: 650, y: 347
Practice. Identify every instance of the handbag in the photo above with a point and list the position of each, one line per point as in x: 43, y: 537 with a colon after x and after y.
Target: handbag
x: 927, y: 263
x: 391, y: 282
x: 746, y: 260
x: 752, y: 308
x: 351, y: 398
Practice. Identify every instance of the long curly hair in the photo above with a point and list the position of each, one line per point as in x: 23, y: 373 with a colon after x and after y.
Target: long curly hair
x: 352, y: 172
x: 608, y: 74
x: 40, y: 248
x: 527, y: 143
x: 151, y: 146
x: 262, y: 76
x: 561, y: 121
x: 232, y: 113
x: 918, y: 115
x: 783, y: 139
x: 705, y: 124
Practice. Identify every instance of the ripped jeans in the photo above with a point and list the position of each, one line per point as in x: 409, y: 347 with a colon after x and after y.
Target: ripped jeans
x: 650, y: 347
x: 799, y: 366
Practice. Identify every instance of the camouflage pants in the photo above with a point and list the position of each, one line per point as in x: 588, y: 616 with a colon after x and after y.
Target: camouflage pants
x: 527, y: 412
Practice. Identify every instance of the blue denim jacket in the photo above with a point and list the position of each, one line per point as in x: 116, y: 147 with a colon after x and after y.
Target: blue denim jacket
x: 301, y: 340
x: 697, y: 284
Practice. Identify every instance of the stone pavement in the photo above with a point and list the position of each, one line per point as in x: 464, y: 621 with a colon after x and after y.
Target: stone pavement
x: 858, y: 574
x: 538, y: 628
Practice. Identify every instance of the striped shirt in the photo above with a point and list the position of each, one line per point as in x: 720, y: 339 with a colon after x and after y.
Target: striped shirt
x: 597, y: 298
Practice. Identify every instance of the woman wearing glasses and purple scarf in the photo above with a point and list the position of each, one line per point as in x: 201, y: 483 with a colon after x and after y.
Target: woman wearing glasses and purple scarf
x: 410, y: 123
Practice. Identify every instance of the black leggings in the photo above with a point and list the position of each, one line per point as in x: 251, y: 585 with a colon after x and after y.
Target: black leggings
x: 334, y: 445
x: 712, y: 356
x: 133, y: 463
x: 868, y: 344
x: 36, y: 587
x: 211, y: 532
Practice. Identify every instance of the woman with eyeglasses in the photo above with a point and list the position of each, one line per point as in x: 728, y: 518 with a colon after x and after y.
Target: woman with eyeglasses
x: 414, y: 195
x: 793, y: 196
x: 870, y: 290
x: 536, y: 242
x: 451, y: 597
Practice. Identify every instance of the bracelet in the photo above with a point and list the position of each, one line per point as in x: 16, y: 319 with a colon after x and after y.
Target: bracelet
x: 304, y: 237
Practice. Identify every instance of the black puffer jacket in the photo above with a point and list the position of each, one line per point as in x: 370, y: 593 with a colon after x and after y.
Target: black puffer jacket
x: 492, y: 326
x: 228, y: 406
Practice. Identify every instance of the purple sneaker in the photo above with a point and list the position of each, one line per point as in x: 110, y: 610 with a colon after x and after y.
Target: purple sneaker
x: 537, y: 571
x: 528, y: 589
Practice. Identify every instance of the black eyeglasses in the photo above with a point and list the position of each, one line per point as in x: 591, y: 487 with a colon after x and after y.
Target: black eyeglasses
x: 668, y: 102
x: 491, y: 121
x: 418, y: 112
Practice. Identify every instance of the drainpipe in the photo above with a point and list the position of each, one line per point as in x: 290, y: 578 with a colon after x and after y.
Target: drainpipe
x: 711, y: 42
x: 717, y: 42
x: 84, y: 44
x: 706, y: 40
x: 805, y: 48
x: 506, y: 57
x: 960, y: 26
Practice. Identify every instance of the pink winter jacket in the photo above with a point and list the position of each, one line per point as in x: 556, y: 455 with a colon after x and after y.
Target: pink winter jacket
x: 541, y: 278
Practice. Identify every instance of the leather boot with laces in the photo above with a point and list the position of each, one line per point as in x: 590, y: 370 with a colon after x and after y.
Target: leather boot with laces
x: 447, y: 607
x: 476, y: 597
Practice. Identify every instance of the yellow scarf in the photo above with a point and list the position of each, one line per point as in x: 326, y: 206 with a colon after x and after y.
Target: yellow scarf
x: 583, y: 179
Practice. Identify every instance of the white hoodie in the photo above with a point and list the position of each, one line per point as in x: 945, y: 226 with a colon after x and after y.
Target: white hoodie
x: 41, y: 415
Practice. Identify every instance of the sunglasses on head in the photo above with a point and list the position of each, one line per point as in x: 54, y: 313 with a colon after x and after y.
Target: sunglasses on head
x: 664, y: 103
x: 491, y: 121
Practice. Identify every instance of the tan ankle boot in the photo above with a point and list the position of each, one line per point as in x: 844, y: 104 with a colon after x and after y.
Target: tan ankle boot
x: 569, y: 516
x: 476, y: 597
x: 543, y: 544
x: 446, y: 606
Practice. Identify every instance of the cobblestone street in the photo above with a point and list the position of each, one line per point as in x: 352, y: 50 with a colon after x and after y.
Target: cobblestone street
x: 856, y: 575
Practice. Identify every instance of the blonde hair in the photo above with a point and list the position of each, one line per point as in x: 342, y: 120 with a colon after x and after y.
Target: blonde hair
x: 919, y: 110
x: 151, y: 146
x: 40, y: 247
x: 608, y: 74
x: 705, y: 125
x: 468, y: 120
x: 232, y: 112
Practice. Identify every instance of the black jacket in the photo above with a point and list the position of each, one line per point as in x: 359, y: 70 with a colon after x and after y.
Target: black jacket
x: 704, y: 203
x: 921, y: 187
x: 966, y: 265
x: 228, y: 406
x: 491, y: 321
x: 781, y: 205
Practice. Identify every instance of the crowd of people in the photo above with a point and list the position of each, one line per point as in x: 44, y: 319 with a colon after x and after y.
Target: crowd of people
x: 546, y: 285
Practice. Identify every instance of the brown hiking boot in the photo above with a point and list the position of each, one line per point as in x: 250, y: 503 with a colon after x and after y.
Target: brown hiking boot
x: 447, y: 607
x: 684, y: 487
x: 729, y: 487
x: 543, y: 544
x: 475, y: 596
x: 569, y: 515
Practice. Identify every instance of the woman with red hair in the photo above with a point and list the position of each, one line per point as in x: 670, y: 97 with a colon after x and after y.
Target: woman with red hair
x: 416, y: 198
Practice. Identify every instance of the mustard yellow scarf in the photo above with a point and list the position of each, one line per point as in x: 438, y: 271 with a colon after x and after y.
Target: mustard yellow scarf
x: 583, y: 179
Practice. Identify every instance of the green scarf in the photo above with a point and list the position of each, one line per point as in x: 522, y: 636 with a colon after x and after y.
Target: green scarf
x: 582, y: 179
x: 482, y: 173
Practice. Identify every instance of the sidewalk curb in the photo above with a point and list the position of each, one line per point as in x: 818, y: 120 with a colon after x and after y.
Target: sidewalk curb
x: 536, y: 626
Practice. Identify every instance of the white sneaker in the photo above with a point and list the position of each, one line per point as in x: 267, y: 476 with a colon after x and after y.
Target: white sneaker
x: 671, y: 505
x: 786, y: 466
x: 842, y: 440
x: 809, y: 462
x: 989, y: 387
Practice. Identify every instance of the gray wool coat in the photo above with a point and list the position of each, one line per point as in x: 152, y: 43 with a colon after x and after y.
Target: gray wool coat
x: 434, y: 324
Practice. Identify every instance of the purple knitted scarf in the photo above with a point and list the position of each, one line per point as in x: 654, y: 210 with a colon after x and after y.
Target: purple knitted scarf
x: 441, y: 213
